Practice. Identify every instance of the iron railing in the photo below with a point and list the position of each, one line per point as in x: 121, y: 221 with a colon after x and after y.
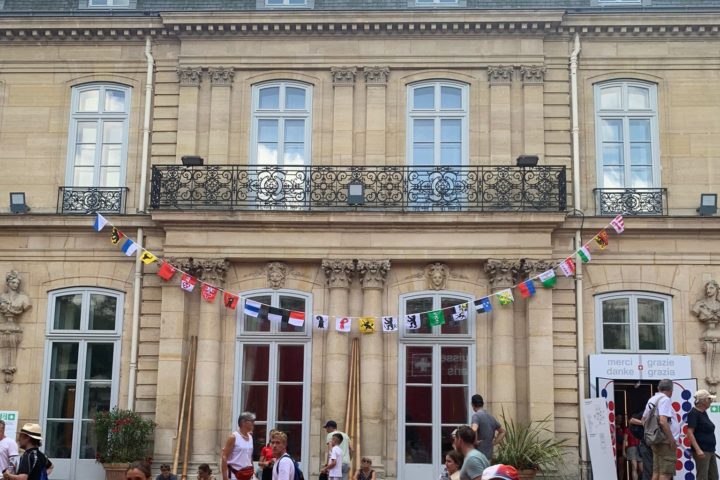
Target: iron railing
x: 383, y: 188
x: 85, y: 200
x: 632, y: 201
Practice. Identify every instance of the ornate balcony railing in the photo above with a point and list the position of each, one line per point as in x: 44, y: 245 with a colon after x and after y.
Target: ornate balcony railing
x: 84, y: 200
x: 632, y: 201
x: 383, y: 188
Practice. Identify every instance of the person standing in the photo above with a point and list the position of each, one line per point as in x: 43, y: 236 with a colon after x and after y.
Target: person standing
x: 646, y: 455
x: 346, y: 445
x: 333, y: 469
x: 267, y: 460
x: 236, y: 461
x: 701, y: 432
x: 33, y: 463
x: 663, y: 453
x: 474, y: 462
x: 284, y: 464
x: 488, y: 429
x: 631, y: 446
x: 8, y: 449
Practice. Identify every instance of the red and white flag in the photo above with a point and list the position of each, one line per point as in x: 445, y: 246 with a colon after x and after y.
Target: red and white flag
x: 568, y: 267
x: 343, y: 324
x: 188, y: 282
x: 297, y: 318
x: 208, y: 292
x: 618, y: 224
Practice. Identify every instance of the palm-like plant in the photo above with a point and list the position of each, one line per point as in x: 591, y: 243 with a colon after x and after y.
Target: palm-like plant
x: 530, y: 446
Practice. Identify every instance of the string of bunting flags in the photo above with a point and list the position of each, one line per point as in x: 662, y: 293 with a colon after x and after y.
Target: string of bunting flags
x: 455, y: 313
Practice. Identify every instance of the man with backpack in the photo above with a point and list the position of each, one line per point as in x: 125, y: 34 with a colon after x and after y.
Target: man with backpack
x: 662, y: 431
x: 33, y: 465
x: 285, y: 467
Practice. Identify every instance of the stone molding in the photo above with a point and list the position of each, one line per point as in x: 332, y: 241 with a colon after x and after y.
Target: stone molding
x: 221, y: 76
x: 373, y: 273
x: 277, y: 273
x: 532, y: 74
x: 500, y: 272
x: 500, y: 75
x: 536, y: 267
x: 343, y: 75
x: 189, y: 76
x: 211, y: 270
x: 339, y: 273
x: 376, y: 75
x: 436, y: 275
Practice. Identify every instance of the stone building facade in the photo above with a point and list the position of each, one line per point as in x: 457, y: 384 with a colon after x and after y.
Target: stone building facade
x: 424, y: 106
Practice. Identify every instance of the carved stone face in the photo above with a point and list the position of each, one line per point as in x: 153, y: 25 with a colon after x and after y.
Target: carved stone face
x: 276, y: 275
x: 437, y: 276
x: 13, y: 283
x: 711, y: 289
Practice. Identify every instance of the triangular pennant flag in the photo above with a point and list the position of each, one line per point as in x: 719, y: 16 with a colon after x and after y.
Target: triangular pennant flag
x: 618, y: 224
x: 389, y: 324
x: 321, y: 322
x: 208, y: 292
x: 367, y: 325
x: 296, y: 319
x: 252, y: 308
x: 548, y: 278
x: 567, y: 267
x: 129, y: 247
x: 343, y: 324
x: 275, y: 314
x: 188, y: 282
x: 230, y: 300
x: 460, y: 312
x: 602, y: 239
x: 584, y: 254
x: 505, y: 297
x: 483, y: 305
x: 166, y: 271
x: 527, y: 289
x: 99, y: 223
x: 436, y: 318
x: 115, y: 236
x: 148, y: 258
x: 412, y: 322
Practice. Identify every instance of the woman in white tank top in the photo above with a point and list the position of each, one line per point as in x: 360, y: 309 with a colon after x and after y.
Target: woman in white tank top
x: 237, y: 454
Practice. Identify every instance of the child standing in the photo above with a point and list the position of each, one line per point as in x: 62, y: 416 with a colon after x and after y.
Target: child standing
x: 333, y: 469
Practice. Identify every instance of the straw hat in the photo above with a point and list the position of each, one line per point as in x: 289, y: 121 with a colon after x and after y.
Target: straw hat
x: 32, y: 430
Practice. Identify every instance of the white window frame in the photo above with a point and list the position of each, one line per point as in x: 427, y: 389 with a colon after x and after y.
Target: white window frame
x: 273, y: 338
x: 436, y: 341
x: 99, y: 117
x: 625, y: 115
x: 438, y: 114
x: 82, y: 337
x: 285, y: 4
x: 110, y: 4
x: 619, y: 2
x: 281, y: 114
x: 632, y: 297
x: 436, y: 3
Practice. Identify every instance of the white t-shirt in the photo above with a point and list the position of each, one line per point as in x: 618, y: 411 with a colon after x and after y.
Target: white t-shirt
x: 336, y: 454
x: 8, y: 450
x: 664, y: 405
x: 284, y: 469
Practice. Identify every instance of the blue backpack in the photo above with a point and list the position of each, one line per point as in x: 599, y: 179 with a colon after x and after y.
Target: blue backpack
x: 298, y: 473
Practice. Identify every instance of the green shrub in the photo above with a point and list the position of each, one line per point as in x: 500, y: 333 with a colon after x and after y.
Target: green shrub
x: 122, y: 436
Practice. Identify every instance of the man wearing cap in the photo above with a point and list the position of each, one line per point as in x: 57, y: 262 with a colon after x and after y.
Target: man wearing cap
x: 8, y: 449
x: 488, y: 429
x: 33, y: 462
x: 500, y: 472
x: 701, y: 432
x: 345, y: 446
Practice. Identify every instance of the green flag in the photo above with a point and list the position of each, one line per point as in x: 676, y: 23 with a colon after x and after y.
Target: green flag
x: 548, y: 279
x: 436, y: 318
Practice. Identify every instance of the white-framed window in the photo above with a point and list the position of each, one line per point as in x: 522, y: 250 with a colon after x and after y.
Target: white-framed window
x: 281, y: 123
x: 272, y: 374
x: 633, y: 322
x: 627, y: 138
x: 81, y: 374
x: 430, y: 301
x: 108, y: 3
x: 618, y: 2
x: 437, y: 131
x: 98, y: 137
x: 437, y: 378
x: 433, y: 3
x: 285, y: 3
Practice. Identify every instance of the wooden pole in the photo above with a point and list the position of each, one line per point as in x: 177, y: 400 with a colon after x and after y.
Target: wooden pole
x: 193, y: 361
x: 181, y: 422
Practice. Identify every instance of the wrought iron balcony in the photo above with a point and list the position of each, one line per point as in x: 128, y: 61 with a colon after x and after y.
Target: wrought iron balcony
x: 384, y: 188
x: 85, y: 200
x: 632, y: 201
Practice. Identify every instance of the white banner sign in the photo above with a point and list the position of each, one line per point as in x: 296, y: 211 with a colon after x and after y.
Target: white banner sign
x: 638, y: 367
x: 11, y: 422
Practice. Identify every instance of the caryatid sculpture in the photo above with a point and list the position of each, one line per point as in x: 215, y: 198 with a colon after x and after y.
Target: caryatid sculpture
x: 13, y: 303
x: 707, y: 310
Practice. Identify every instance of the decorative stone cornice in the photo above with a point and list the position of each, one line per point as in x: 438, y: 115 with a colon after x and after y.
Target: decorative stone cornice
x: 499, y: 272
x: 373, y: 273
x: 221, y: 76
x: 211, y: 270
x: 189, y: 76
x: 343, y: 75
x: 500, y: 75
x: 376, y: 75
x: 339, y: 273
x: 532, y: 74
x: 536, y: 267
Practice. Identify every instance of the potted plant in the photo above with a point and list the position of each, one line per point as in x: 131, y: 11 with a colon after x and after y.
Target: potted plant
x: 530, y: 447
x: 121, y: 437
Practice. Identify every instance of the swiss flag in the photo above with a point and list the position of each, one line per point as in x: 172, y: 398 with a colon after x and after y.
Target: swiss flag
x: 166, y: 271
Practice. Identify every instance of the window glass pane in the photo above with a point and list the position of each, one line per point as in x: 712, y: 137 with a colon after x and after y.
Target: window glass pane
x: 99, y: 364
x: 111, y: 155
x: 291, y: 359
x: 450, y: 98
x: 610, y: 98
x: 423, y: 130
x: 613, y: 177
x: 418, y: 444
x: 61, y: 399
x: 450, y: 154
x: 103, y: 310
x: 616, y: 337
x: 612, y: 130
x: 88, y: 440
x: 83, y: 177
x: 290, y: 401
x: 453, y: 405
x: 267, y: 153
x: 296, y: 304
x: 616, y: 310
x: 451, y: 326
x: 86, y: 132
x: 267, y: 131
x: 295, y: 131
x: 255, y: 399
x: 114, y: 101
x: 641, y: 177
x: 113, y: 132
x: 256, y: 360
x: 294, y: 434
x: 88, y: 101
x: 638, y: 98
x: 639, y: 130
x: 85, y: 155
x: 651, y: 337
x: 294, y: 154
x: 418, y: 364
x: 67, y: 312
x: 424, y: 98
x: 96, y: 399
x: 451, y: 130
x: 58, y: 439
x: 423, y: 154
x: 454, y: 365
x: 109, y: 176
x: 651, y: 311
x: 294, y: 98
x: 254, y: 324
x: 418, y: 404
x: 446, y: 443
x: 260, y: 439
x: 612, y: 154
x: 269, y: 98
x: 640, y: 154
x: 417, y: 305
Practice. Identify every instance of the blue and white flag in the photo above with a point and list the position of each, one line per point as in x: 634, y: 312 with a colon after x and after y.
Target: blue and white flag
x: 483, y: 305
x: 252, y: 308
x: 129, y: 247
x: 99, y: 222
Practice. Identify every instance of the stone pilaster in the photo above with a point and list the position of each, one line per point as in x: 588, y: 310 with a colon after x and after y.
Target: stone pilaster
x: 500, y: 79
x: 376, y: 100
x: 221, y: 79
x: 339, y: 274
x: 343, y: 79
x: 533, y: 111
x: 189, y: 79
x: 372, y: 275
